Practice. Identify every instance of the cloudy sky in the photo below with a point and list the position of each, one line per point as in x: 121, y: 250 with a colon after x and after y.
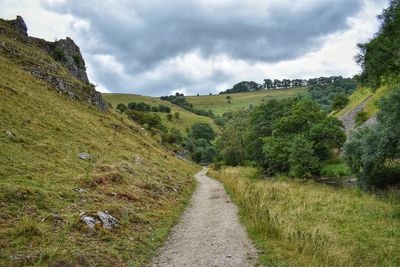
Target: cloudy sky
x: 157, y: 47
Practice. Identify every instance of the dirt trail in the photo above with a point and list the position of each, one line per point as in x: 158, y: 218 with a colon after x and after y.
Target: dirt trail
x: 209, y: 233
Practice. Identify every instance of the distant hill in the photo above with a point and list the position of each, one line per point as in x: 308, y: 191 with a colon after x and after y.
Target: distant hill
x: 219, y: 104
x: 65, y: 158
x: 184, y: 122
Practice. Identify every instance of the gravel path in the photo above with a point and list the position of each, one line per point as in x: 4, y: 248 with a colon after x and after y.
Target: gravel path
x: 209, y: 233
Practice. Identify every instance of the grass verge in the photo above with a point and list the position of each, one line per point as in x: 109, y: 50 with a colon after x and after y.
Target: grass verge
x: 301, y: 223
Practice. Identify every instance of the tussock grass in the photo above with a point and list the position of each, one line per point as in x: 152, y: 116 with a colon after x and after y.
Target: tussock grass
x: 44, y: 186
x: 301, y: 223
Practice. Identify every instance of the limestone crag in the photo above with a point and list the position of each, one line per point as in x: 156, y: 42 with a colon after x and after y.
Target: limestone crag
x: 64, y: 54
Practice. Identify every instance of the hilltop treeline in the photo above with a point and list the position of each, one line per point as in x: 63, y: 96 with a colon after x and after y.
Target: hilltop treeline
x: 270, y: 84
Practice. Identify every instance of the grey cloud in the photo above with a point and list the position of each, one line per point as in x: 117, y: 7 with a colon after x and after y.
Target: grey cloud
x: 143, y: 34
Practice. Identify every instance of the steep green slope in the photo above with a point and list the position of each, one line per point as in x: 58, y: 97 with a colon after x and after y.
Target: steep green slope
x: 45, y: 188
x: 363, y: 94
x: 219, y: 103
x: 186, y: 118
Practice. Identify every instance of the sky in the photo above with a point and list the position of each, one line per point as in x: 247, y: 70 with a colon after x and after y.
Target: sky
x: 158, y: 47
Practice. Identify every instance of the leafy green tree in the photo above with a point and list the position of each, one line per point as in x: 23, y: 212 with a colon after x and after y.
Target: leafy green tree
x: 339, y: 102
x: 302, y: 160
x: 177, y: 115
x: 201, y: 130
x: 379, y: 58
x: 276, y: 154
x: 231, y: 143
x: 361, y: 117
x: 285, y: 129
x: 132, y: 105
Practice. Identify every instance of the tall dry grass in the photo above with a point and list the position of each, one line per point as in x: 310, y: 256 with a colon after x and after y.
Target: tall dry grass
x: 301, y: 223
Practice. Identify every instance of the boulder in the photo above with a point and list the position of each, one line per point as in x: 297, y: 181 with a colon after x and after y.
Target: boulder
x: 101, y: 218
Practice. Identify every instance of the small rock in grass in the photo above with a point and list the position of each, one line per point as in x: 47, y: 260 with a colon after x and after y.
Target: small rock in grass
x: 137, y: 159
x: 109, y: 222
x: 229, y: 256
x: 86, y: 156
x: 90, y: 221
x: 20, y: 257
x: 79, y: 190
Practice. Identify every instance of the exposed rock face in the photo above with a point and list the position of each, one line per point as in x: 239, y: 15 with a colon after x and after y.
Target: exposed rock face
x: 72, y: 58
x: 63, y: 51
x: 20, y: 26
x: 348, y: 119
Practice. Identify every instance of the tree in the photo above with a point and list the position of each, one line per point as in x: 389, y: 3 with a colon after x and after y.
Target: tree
x: 339, y: 102
x: 177, y: 115
x: 232, y: 142
x: 302, y: 160
x: 286, y: 129
x: 379, y: 58
x: 228, y: 97
x: 201, y: 130
x: 132, y: 105
x: 268, y: 84
x: 361, y: 117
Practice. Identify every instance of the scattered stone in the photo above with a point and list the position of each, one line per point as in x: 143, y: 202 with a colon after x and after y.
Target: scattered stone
x: 229, y: 256
x: 79, y: 190
x: 104, y: 219
x: 9, y: 134
x: 86, y: 156
x: 90, y: 221
x: 109, y: 222
x: 137, y: 159
x: 21, y: 257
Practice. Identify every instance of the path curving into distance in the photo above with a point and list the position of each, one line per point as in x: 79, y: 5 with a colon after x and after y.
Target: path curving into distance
x: 209, y: 233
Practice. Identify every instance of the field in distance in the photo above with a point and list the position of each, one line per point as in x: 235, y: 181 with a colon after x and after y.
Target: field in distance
x: 186, y: 118
x: 219, y: 103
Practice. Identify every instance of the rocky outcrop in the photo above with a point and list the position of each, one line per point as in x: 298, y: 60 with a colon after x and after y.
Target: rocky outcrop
x: 64, y: 51
x: 20, y: 26
x: 348, y: 119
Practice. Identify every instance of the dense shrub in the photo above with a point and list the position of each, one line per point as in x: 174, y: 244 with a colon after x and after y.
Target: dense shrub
x: 180, y: 100
x: 201, y: 130
x: 150, y: 120
x: 121, y: 107
x: 361, y: 117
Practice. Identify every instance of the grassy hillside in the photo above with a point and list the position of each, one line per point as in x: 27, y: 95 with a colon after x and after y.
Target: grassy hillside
x: 219, y: 104
x: 45, y: 187
x: 365, y: 94
x: 302, y: 223
x: 184, y: 122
